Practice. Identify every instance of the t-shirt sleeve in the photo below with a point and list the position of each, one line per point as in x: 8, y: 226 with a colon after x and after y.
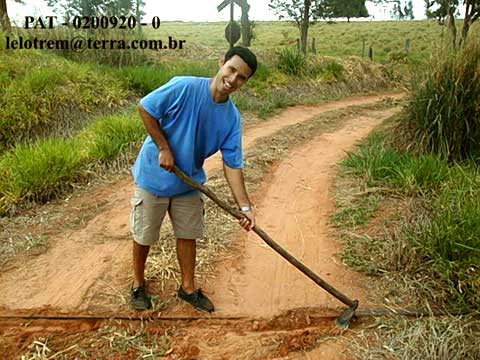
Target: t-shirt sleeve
x: 232, y: 152
x: 160, y: 100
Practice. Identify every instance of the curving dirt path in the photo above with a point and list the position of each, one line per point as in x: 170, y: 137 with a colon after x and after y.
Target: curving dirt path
x: 77, y: 260
x: 295, y: 207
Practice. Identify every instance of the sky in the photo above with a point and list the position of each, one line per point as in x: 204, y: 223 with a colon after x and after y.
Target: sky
x: 195, y: 10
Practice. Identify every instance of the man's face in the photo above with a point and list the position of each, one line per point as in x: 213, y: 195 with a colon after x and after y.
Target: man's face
x: 232, y: 75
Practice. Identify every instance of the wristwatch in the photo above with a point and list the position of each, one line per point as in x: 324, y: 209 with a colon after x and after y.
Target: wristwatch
x: 245, y: 208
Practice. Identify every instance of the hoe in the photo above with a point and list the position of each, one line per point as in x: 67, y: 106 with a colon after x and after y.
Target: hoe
x: 344, y: 319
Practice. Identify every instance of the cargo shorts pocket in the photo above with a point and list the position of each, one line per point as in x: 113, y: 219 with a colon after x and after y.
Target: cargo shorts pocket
x: 136, y: 218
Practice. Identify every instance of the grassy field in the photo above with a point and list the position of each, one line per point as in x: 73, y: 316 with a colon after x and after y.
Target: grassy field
x: 409, y: 206
x: 50, y: 99
x: 342, y: 39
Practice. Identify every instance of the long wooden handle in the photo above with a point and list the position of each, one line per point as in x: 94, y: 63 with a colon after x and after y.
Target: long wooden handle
x: 274, y: 245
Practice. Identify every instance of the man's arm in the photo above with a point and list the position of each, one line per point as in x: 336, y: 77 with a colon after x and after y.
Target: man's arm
x: 237, y: 185
x: 165, y: 158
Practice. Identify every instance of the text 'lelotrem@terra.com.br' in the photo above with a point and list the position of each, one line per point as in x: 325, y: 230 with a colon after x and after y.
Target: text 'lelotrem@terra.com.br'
x: 91, y: 23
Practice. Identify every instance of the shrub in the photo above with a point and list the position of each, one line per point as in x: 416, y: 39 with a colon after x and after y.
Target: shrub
x: 291, y: 61
x: 109, y: 136
x: 444, y: 105
x: 326, y: 69
x: 37, y: 172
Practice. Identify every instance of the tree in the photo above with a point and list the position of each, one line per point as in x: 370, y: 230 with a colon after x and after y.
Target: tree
x: 446, y: 10
x: 139, y: 5
x: 94, y: 7
x: 346, y: 9
x: 4, y: 19
x: 402, y: 9
x: 303, y: 12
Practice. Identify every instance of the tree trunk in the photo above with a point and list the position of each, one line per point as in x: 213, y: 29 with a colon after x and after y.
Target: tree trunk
x: 465, y: 29
x: 4, y: 19
x: 304, y: 29
x: 472, y: 13
x: 452, y: 27
x: 138, y: 17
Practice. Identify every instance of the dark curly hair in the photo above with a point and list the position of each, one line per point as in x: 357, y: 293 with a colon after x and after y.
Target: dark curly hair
x: 246, y: 55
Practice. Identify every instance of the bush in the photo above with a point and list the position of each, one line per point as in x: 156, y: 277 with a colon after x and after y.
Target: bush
x: 291, y: 61
x: 326, y: 69
x: 444, y: 106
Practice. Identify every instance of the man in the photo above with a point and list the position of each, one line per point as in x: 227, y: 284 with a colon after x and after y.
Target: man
x: 188, y: 119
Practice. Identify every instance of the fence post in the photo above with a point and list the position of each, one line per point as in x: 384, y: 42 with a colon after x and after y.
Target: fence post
x: 370, y: 53
x: 314, y: 49
x: 298, y: 45
x: 408, y: 45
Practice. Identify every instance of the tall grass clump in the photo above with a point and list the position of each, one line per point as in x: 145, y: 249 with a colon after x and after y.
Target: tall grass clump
x: 146, y: 78
x: 450, y: 239
x: 291, y: 61
x: 42, y: 170
x: 43, y: 94
x: 444, y: 105
x: 441, y: 239
x: 36, y: 172
x: 110, y: 136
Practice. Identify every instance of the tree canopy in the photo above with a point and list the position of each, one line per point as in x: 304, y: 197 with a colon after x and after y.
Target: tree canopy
x: 96, y: 7
x: 445, y: 12
x: 346, y: 9
x: 302, y: 12
x: 4, y: 18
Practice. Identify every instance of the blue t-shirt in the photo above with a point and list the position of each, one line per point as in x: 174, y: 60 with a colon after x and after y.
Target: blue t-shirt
x: 196, y: 127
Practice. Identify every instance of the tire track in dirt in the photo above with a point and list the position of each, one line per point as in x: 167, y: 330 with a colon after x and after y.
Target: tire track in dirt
x: 294, y: 209
x: 76, y: 260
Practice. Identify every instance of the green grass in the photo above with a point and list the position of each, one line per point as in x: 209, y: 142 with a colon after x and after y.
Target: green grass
x: 444, y: 105
x: 107, y: 138
x: 35, y: 172
x: 355, y: 211
x: 449, y: 337
x: 291, y: 61
x: 44, y: 169
x: 339, y: 39
x: 443, y: 231
x: 42, y: 93
x: 146, y: 78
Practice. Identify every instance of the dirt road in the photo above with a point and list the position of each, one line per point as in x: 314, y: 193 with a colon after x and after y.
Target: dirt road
x: 293, y: 208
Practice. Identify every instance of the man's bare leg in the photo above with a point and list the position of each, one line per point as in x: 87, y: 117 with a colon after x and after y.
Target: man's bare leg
x: 186, y: 254
x: 140, y: 253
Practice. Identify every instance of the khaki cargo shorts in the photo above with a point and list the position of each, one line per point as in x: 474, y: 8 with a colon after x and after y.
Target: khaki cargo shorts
x: 148, y: 212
